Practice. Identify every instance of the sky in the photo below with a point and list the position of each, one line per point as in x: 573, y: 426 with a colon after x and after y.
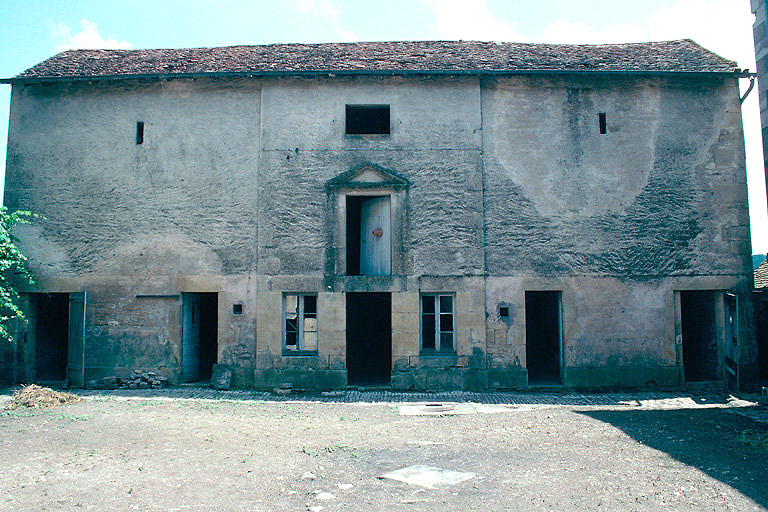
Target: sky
x: 31, y: 31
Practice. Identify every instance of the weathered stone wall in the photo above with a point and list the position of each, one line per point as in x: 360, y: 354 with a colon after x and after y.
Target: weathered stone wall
x: 512, y: 188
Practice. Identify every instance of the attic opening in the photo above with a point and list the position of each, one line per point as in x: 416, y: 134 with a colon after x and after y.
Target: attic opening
x: 367, y: 119
x: 368, y: 236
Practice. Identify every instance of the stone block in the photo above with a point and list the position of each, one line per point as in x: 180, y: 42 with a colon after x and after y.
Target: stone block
x: 402, y: 381
x: 401, y: 364
x: 621, y: 377
x: 475, y: 380
x: 300, y: 379
x: 507, y: 378
x: 221, y: 378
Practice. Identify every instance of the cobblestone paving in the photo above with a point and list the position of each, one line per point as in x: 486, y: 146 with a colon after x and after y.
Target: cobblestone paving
x: 641, y: 400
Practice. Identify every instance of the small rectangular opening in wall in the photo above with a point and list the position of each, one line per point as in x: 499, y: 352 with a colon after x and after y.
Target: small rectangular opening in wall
x: 503, y: 311
x: 237, y: 309
x: 140, y: 132
x: 601, y: 122
x: 367, y: 119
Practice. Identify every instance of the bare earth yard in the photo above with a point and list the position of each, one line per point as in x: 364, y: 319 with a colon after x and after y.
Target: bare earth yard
x: 536, y: 452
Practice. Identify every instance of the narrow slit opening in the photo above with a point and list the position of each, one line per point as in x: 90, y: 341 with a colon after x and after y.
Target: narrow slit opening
x: 601, y: 122
x: 140, y: 132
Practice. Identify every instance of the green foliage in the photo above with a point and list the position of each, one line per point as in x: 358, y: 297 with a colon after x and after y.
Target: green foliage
x: 13, y: 266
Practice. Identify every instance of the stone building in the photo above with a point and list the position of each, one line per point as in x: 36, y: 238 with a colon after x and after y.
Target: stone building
x: 422, y: 215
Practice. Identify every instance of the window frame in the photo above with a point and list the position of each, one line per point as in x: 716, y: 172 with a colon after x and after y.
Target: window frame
x: 300, y: 325
x: 437, y: 350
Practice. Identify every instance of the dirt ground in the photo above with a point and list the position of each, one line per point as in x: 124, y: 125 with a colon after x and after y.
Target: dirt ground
x: 172, y: 454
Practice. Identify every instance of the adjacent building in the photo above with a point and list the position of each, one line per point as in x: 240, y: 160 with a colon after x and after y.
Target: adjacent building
x: 420, y: 215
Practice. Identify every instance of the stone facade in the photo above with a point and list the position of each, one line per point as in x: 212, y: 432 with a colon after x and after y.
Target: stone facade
x: 498, y: 185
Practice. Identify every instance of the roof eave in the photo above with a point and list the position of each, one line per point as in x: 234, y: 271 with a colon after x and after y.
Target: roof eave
x: 394, y: 72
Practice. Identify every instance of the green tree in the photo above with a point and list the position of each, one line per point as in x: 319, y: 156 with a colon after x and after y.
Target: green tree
x: 13, y: 265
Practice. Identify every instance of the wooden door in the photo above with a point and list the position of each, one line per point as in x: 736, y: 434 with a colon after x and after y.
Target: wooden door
x: 190, y: 333
x: 76, y: 339
x: 375, y: 237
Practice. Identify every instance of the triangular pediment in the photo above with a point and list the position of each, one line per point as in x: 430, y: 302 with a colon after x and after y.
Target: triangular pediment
x: 368, y: 175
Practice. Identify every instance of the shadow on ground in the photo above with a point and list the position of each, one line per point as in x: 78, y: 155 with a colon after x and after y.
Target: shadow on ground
x: 726, y: 446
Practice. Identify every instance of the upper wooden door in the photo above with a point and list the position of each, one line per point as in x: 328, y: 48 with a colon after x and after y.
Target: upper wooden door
x: 375, y: 237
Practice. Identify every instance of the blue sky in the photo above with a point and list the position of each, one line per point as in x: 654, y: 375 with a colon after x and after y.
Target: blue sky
x: 31, y: 31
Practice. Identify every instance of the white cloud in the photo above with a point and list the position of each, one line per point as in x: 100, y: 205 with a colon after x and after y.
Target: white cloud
x: 325, y: 10
x: 87, y: 37
x: 347, y: 36
x: 319, y: 8
x: 459, y: 19
x: 579, y: 32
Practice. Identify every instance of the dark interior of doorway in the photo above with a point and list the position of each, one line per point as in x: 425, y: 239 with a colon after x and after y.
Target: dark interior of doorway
x: 209, y: 326
x: 542, y: 336
x: 354, y: 222
x: 697, y: 314
x: 51, y: 335
x: 762, y: 339
x: 369, y: 338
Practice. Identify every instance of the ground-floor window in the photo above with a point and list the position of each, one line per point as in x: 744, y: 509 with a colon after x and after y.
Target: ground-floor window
x: 437, y: 323
x: 300, y: 326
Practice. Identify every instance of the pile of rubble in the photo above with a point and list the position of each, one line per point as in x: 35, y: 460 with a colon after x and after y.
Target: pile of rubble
x: 137, y: 379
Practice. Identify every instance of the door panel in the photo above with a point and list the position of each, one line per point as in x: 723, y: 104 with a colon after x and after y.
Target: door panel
x: 76, y: 339
x: 731, y: 341
x: 375, y: 237
x: 190, y: 349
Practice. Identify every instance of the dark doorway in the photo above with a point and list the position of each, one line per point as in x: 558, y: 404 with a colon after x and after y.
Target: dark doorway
x: 698, y: 326
x: 51, y: 334
x: 762, y: 337
x: 369, y: 338
x: 542, y: 337
x: 200, y: 335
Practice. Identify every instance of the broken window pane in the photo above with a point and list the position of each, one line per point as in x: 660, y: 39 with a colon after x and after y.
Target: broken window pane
x: 446, y: 304
x: 310, y: 324
x: 291, y: 304
x: 290, y: 340
x: 310, y: 341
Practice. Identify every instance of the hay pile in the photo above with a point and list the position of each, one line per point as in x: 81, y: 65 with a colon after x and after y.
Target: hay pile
x: 37, y: 397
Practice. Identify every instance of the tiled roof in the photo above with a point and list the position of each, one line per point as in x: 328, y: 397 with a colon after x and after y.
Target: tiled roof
x: 682, y: 56
x: 761, y: 275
